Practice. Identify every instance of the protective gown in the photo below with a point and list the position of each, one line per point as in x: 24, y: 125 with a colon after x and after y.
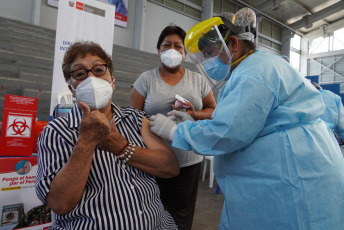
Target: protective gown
x: 334, y: 112
x: 275, y: 160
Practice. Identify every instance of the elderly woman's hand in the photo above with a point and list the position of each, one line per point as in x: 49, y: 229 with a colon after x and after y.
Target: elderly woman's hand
x: 94, y: 126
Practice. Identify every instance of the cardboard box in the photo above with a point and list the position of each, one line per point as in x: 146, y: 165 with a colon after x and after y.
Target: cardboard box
x: 19, y: 205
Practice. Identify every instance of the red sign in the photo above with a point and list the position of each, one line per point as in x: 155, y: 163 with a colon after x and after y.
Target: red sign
x: 18, y: 122
x: 121, y: 17
x: 79, y: 6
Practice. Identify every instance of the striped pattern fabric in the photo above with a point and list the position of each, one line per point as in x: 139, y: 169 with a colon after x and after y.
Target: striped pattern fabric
x: 116, y: 196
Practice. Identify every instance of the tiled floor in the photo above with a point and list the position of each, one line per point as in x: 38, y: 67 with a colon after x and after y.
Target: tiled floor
x: 208, y: 207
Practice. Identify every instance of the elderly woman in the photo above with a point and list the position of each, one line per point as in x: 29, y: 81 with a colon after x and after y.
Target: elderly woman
x: 96, y: 166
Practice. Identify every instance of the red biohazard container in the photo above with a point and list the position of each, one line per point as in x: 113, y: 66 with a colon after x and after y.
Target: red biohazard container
x: 18, y: 122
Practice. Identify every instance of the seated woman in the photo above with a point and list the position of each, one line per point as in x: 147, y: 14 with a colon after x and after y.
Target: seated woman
x: 97, y: 165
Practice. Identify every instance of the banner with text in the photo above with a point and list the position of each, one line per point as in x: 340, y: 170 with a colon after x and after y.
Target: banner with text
x: 121, y: 17
x: 84, y: 20
x: 19, y: 204
x: 18, y: 124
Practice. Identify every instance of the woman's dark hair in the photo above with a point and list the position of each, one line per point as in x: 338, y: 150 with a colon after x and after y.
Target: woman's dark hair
x: 81, y: 49
x: 169, y: 30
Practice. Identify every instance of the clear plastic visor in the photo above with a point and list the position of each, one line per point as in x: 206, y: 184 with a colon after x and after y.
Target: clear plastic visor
x: 213, y: 59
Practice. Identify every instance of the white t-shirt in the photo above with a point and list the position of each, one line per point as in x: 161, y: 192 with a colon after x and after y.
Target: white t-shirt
x: 160, y: 98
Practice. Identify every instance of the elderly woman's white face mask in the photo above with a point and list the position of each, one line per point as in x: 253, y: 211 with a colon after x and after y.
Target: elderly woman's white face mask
x: 95, y: 92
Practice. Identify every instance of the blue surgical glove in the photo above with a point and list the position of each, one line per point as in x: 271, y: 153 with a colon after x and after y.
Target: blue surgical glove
x: 163, y: 126
x: 179, y: 116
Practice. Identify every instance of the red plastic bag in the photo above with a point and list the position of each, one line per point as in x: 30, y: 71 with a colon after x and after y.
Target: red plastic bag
x: 39, y: 126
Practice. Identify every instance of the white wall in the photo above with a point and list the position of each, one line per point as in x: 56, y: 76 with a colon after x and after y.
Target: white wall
x: 124, y: 36
x: 157, y: 18
x: 48, y: 16
x: 17, y: 9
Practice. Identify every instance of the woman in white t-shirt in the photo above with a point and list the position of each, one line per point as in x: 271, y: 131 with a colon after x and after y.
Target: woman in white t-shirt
x: 154, y: 92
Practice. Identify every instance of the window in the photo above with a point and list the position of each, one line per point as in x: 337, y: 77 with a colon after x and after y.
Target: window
x: 319, y: 45
x: 295, y: 52
x: 225, y: 6
x: 270, y: 34
x: 296, y: 42
x: 295, y: 60
x: 338, y: 41
x: 192, y: 8
x: 329, y: 43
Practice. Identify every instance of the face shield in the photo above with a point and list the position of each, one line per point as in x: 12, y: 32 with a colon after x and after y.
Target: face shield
x: 205, y: 43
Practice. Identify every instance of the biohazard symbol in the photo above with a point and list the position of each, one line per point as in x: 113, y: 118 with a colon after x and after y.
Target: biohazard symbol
x: 18, y: 127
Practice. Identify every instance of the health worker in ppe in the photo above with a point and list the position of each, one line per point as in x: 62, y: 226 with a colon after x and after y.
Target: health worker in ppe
x: 334, y: 113
x: 276, y: 163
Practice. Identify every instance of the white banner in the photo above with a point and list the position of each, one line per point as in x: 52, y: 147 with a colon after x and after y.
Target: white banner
x: 86, y: 20
x: 19, y: 204
x: 121, y: 17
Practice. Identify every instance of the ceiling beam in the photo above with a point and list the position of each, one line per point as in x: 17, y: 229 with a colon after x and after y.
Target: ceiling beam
x: 325, y: 29
x: 309, y: 19
x: 259, y: 12
x: 303, y: 6
x: 268, y: 5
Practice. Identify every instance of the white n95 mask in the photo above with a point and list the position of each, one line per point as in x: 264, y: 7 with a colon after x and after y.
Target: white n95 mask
x: 95, y: 92
x: 171, y: 58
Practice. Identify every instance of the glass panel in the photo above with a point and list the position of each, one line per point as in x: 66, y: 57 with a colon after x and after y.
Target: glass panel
x: 266, y: 27
x: 229, y: 7
x: 266, y: 42
x: 276, y: 32
x: 175, y: 5
x: 319, y: 45
x: 193, y: 12
x: 196, y: 2
x: 217, y: 6
x: 260, y: 26
x: 338, y: 39
x: 296, y: 42
x: 276, y: 46
x: 159, y: 1
x: 295, y: 60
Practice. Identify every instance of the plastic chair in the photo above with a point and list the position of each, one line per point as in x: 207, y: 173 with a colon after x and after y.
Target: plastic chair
x: 211, y: 171
x: 66, y: 96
